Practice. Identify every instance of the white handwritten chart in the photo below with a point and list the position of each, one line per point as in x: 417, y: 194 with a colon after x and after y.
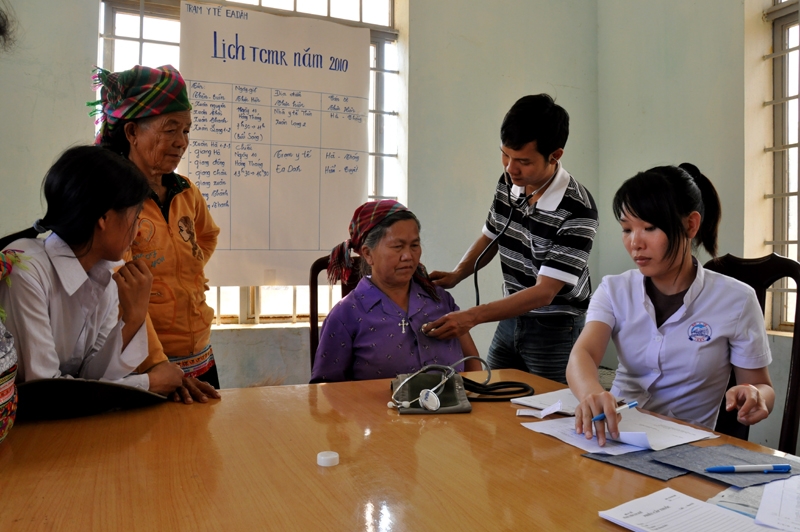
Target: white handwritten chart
x: 278, y: 145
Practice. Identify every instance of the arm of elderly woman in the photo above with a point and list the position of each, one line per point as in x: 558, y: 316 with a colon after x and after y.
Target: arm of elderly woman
x: 470, y: 350
x: 206, y: 231
x: 334, y: 357
x: 194, y: 390
x: 164, y: 379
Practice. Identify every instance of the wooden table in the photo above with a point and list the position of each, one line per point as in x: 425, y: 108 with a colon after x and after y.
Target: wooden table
x: 248, y: 462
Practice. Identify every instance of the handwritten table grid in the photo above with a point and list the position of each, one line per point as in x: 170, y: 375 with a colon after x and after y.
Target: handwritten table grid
x: 313, y: 140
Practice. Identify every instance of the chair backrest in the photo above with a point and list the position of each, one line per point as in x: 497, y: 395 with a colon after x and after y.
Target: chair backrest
x: 761, y: 273
x: 320, y: 265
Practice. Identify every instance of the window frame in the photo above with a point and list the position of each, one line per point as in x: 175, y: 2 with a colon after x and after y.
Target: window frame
x: 169, y: 9
x: 781, y: 317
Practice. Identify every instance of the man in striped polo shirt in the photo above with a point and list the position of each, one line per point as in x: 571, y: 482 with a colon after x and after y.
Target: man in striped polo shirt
x: 552, y: 221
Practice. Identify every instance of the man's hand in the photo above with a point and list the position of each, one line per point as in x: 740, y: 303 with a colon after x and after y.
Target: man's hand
x: 165, y: 378
x: 134, y: 281
x: 451, y: 325
x: 445, y: 279
x: 194, y: 390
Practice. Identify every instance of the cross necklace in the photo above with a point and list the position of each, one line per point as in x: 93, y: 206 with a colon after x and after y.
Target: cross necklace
x: 403, y: 324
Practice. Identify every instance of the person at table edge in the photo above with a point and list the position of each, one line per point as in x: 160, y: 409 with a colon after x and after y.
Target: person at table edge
x: 678, y: 327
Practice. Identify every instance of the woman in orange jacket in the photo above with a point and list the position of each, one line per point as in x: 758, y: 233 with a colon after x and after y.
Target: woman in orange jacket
x: 146, y: 117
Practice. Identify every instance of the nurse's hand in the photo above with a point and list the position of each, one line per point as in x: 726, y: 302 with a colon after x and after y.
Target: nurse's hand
x: 591, y: 406
x: 749, y: 401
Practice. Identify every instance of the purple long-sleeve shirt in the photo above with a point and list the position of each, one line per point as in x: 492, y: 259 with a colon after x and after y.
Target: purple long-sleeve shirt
x: 368, y: 336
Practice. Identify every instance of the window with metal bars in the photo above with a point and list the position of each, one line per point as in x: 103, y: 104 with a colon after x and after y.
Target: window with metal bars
x: 785, y: 59
x: 147, y: 32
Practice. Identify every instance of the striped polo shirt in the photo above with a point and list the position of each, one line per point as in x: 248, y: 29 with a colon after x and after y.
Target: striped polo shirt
x: 553, y: 238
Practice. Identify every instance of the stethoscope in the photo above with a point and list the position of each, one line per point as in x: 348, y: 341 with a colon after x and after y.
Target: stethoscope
x: 427, y: 398
x: 519, y: 204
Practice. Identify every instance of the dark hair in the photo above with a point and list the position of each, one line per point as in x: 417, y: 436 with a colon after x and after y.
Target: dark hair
x: 664, y: 196
x: 377, y: 233
x: 6, y: 27
x: 117, y: 140
x: 83, y: 184
x: 535, y: 117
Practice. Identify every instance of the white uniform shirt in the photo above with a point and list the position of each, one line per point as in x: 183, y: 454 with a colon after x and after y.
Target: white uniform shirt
x: 65, y: 321
x: 681, y: 369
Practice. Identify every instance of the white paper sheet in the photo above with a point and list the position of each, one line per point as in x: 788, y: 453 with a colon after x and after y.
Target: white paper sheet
x: 637, y: 431
x: 668, y: 510
x: 552, y: 409
x: 742, y: 500
x: 568, y: 401
x: 564, y: 430
x: 780, y: 505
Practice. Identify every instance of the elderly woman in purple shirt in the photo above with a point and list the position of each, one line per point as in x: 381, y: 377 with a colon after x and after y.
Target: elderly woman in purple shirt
x: 375, y: 332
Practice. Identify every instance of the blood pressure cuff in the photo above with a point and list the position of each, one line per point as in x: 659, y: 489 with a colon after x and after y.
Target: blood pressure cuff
x: 452, y: 397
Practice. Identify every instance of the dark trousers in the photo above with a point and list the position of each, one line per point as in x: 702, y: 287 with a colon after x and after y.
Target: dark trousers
x: 536, y: 344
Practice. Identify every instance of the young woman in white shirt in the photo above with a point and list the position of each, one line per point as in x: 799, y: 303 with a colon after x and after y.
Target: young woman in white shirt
x: 678, y: 328
x: 67, y: 318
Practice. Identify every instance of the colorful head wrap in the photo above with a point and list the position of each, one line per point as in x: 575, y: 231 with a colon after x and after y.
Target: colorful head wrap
x: 8, y: 259
x: 365, y: 218
x: 137, y: 93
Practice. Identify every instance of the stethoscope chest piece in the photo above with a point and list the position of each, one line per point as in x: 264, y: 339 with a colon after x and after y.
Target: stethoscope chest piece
x: 429, y: 400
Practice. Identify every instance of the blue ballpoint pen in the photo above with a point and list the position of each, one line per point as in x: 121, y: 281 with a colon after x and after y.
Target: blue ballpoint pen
x: 601, y: 417
x: 762, y: 468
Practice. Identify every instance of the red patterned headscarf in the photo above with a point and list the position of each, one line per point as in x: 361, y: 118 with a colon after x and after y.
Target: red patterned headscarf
x: 366, y: 217
x: 137, y: 93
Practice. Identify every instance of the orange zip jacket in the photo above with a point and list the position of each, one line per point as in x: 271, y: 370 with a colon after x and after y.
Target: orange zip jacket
x: 179, y: 321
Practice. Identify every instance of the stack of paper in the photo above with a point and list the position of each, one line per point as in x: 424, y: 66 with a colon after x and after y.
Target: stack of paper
x: 637, y: 431
x: 668, y: 510
x: 552, y: 409
x: 545, y: 400
x: 748, y: 501
x: 780, y: 505
x: 697, y: 459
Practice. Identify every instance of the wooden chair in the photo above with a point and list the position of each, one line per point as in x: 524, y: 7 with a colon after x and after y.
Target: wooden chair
x: 761, y: 273
x: 320, y: 265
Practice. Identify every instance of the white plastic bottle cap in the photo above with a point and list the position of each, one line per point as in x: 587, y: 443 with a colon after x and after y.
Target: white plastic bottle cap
x: 327, y: 458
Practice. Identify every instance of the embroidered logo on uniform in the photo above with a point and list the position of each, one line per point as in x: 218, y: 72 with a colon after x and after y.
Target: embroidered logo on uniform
x: 699, y: 332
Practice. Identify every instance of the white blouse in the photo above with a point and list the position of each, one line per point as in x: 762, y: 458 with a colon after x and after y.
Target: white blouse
x: 681, y: 369
x: 65, y: 321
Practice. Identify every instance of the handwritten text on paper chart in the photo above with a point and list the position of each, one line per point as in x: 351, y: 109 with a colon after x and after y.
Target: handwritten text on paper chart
x: 234, y: 50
